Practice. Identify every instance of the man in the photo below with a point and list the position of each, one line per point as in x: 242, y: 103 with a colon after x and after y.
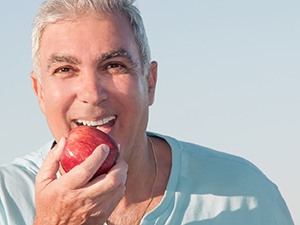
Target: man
x: 92, y: 67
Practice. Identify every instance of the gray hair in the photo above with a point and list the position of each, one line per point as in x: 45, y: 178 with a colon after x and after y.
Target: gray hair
x: 54, y: 10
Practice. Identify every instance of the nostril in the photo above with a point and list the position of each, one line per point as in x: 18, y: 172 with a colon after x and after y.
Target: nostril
x: 92, y: 92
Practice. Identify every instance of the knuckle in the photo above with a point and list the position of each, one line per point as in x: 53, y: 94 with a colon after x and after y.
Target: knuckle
x: 84, y: 172
x: 112, y: 182
x: 122, y: 190
x: 123, y: 165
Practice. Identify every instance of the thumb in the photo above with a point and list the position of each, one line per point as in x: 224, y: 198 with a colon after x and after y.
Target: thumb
x: 50, y: 166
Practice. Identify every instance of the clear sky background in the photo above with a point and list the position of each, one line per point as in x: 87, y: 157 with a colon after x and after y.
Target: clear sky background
x: 229, y: 79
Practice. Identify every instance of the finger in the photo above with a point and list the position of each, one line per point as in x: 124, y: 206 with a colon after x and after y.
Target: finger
x: 120, y: 170
x: 115, y: 178
x: 81, y: 174
x: 50, y: 166
x: 106, y: 204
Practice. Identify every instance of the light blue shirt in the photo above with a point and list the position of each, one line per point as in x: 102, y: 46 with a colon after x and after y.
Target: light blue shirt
x: 205, y: 187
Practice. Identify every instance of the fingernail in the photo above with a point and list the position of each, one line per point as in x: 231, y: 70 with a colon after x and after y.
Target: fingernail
x: 105, y: 148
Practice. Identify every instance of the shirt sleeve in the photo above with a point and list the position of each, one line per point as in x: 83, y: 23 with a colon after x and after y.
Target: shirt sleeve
x: 281, y: 213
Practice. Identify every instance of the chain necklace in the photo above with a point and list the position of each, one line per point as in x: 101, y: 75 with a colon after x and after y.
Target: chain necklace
x: 154, y: 182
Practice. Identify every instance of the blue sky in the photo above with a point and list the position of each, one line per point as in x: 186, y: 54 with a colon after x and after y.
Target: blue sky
x: 229, y: 76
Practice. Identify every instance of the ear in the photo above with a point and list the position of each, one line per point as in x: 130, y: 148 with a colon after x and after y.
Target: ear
x: 152, y: 79
x: 38, y: 90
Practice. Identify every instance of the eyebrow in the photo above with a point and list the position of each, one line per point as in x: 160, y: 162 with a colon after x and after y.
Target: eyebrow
x: 56, y: 58
x: 62, y: 58
x: 114, y: 54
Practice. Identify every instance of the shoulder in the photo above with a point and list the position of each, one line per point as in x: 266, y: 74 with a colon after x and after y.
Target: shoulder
x: 21, y: 171
x: 215, y: 168
x: 215, y: 160
x: 214, y: 185
x: 22, y: 167
x: 17, y: 181
x: 30, y: 162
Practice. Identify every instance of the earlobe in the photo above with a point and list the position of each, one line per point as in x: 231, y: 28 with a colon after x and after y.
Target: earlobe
x: 152, y: 79
x: 38, y: 90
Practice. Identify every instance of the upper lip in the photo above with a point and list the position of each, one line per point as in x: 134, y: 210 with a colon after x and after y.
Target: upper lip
x: 95, y: 123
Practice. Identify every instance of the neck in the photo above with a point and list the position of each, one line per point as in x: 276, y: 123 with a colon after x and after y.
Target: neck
x: 146, y: 182
x: 142, y: 172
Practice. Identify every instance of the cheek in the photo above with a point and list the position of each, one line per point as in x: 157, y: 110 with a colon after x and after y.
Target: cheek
x: 133, y: 91
x: 57, y: 101
x: 54, y: 96
x: 134, y: 84
x: 136, y: 102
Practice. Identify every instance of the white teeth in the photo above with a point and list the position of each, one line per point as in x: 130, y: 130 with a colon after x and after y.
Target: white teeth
x: 96, y: 123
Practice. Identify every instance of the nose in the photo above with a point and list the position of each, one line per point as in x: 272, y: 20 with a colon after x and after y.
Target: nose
x: 91, y: 90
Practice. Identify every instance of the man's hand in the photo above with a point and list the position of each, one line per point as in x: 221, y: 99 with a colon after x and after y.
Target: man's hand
x: 73, y: 198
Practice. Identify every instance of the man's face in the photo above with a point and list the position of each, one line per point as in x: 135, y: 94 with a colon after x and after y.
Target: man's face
x: 92, y: 75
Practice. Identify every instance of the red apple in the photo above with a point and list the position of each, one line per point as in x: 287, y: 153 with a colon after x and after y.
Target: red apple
x: 80, y: 144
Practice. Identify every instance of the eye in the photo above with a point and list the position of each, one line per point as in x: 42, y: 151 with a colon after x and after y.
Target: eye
x: 63, y: 70
x: 116, y: 68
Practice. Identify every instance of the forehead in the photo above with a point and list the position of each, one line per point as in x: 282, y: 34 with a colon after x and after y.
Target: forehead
x: 87, y: 36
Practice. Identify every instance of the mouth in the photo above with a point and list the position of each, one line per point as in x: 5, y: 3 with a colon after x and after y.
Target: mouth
x: 102, y: 124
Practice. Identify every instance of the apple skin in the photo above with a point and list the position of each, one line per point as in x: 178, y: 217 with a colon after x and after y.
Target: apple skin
x: 80, y: 144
